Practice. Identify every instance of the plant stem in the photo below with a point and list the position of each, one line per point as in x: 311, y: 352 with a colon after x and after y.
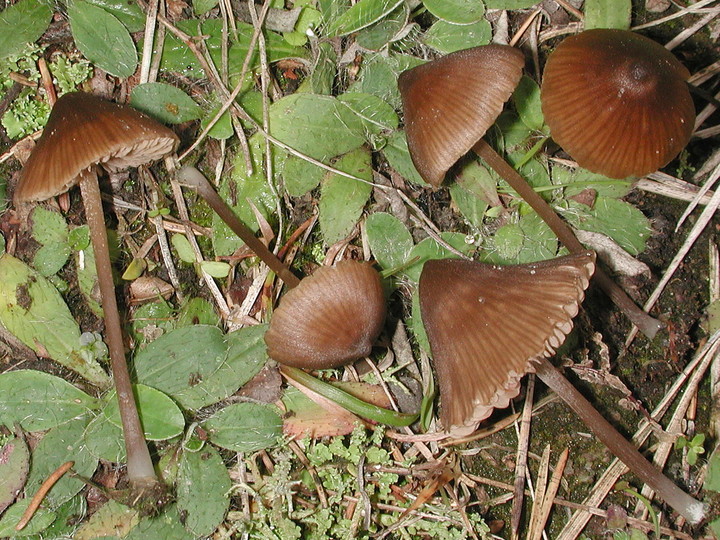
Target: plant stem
x: 645, y: 323
x: 193, y: 178
x: 139, y: 465
x: 692, y: 509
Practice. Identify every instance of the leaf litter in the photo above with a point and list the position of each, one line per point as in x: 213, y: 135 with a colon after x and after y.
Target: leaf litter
x: 334, y: 104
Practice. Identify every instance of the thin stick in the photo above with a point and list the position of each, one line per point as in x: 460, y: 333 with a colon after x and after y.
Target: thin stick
x: 139, y: 465
x: 45, y: 487
x: 193, y: 178
x: 692, y: 509
x: 642, y: 320
x: 521, y: 459
x: 550, y: 492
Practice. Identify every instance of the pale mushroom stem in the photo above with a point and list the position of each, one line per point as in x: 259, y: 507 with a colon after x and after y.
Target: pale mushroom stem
x: 193, y: 178
x: 139, y: 465
x: 645, y: 323
x: 690, y: 508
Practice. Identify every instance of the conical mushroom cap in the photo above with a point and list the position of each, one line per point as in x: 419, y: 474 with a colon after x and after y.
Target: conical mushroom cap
x: 331, y: 318
x: 84, y: 130
x: 451, y: 102
x: 487, y: 324
x: 617, y: 102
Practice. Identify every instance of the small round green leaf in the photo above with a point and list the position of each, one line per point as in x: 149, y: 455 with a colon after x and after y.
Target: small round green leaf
x: 160, y: 417
x: 446, y: 37
x: 165, y: 103
x: 22, y: 23
x: 245, y: 427
x: 456, y: 11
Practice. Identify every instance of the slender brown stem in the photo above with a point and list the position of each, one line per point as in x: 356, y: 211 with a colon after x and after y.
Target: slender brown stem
x: 645, y: 323
x: 692, y: 509
x: 193, y: 178
x: 139, y: 465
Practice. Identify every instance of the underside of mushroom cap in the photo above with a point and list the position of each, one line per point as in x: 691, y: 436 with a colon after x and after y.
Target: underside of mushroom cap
x: 332, y: 318
x: 487, y: 324
x: 617, y: 102
x: 84, y: 130
x: 451, y: 102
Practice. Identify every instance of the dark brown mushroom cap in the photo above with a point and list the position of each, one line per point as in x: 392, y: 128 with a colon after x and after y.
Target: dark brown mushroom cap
x: 487, y: 324
x: 617, y: 102
x: 331, y: 318
x: 84, y: 130
x: 451, y: 102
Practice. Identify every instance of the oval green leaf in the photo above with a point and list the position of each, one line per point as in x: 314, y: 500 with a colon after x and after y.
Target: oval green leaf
x: 38, y: 401
x: 202, y: 490
x: 245, y: 427
x: 456, y: 11
x: 161, y: 419
x: 446, y: 37
x: 102, y: 39
x: 362, y: 14
x: 165, y: 103
x: 22, y: 23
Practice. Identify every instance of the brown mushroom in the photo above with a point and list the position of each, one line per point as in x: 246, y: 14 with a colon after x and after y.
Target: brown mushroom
x: 617, y: 102
x: 450, y: 103
x: 489, y: 325
x: 328, y: 319
x: 331, y: 319
x: 82, y: 133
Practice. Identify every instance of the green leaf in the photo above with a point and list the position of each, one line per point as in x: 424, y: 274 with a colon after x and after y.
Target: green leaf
x: 38, y: 401
x: 617, y: 219
x: 318, y: 126
x: 216, y: 269
x: 222, y: 129
x: 110, y: 520
x: 362, y: 14
x: 386, y: 30
x: 104, y: 440
x: 176, y: 55
x: 59, y: 445
x: 576, y: 180
x: 379, y: 74
x: 87, y: 278
x: 165, y: 103
x: 161, y: 419
x: 527, y: 103
x: 14, y: 466
x: 608, y: 14
x: 198, y: 366
x: 48, y: 227
x: 320, y: 80
x: 197, y: 311
x: 376, y: 115
x: 51, y: 258
x: 201, y: 7
x: 151, y: 320
x: 429, y: 249
x: 510, y: 4
x: 102, y: 39
x: 183, y: 248
x: 301, y: 176
x: 128, y: 13
x: 33, y: 310
x: 343, y: 199
x: 397, y: 153
x: 389, y: 240
x: 456, y: 11
x: 41, y: 520
x: 473, y: 191
x: 712, y: 478
x: 202, y: 490
x: 167, y: 525
x: 245, y: 427
x: 446, y: 37
x: 22, y: 23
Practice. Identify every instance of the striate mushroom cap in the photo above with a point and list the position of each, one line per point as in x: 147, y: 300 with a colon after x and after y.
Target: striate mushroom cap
x: 617, y: 102
x: 84, y: 130
x: 451, y: 102
x: 487, y: 324
x: 330, y: 319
